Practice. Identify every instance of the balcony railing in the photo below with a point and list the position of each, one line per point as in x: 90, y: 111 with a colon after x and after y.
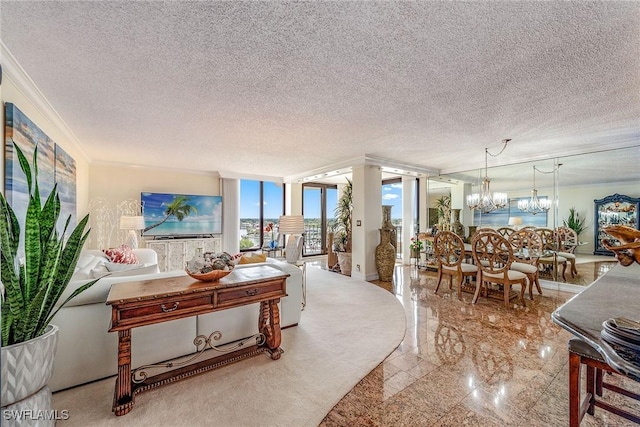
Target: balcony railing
x: 313, y: 240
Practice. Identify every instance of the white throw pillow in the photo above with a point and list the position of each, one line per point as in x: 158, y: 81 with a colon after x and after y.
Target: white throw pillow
x: 86, y: 272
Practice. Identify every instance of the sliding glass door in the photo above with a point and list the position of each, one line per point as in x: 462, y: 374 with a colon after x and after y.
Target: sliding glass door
x: 318, y: 205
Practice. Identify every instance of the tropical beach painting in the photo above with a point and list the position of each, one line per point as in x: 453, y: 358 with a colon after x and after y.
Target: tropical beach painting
x: 181, y: 214
x: 19, y: 129
x: 65, y: 177
x: 500, y: 217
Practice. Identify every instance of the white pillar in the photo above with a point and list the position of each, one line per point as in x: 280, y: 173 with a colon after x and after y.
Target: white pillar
x: 367, y: 219
x: 230, y: 215
x: 408, y: 213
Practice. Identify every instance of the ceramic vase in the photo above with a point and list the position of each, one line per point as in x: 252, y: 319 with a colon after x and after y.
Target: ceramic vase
x: 385, y: 256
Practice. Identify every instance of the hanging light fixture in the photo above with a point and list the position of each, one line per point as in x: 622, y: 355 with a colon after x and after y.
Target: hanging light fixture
x: 534, y: 205
x: 484, y: 201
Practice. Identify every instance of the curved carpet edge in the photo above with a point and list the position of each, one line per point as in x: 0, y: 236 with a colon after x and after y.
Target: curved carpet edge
x: 348, y: 328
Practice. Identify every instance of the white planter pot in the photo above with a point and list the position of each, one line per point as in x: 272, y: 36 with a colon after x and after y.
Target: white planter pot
x: 26, y: 370
x: 344, y: 259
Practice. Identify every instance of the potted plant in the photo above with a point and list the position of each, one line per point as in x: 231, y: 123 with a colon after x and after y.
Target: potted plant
x: 342, y: 238
x: 32, y: 285
x: 574, y: 222
x: 416, y: 247
x: 443, y: 207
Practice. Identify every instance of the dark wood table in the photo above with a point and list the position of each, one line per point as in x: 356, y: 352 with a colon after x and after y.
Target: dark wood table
x: 142, y: 303
x: 615, y: 294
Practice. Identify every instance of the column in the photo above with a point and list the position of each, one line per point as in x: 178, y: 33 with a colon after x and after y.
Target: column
x: 367, y: 219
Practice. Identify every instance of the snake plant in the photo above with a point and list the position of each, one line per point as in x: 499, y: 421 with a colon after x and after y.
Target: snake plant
x: 33, y: 286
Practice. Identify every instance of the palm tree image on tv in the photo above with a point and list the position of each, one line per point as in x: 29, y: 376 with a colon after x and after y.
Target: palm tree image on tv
x: 179, y: 208
x: 175, y: 215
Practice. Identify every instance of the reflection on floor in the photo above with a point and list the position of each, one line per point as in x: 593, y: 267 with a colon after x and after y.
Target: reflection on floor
x: 465, y: 364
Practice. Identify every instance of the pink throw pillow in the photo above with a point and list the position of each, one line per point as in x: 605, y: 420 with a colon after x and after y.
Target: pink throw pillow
x: 123, y: 254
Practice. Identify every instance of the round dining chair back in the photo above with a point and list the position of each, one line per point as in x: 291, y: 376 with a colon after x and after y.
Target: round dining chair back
x: 505, y: 231
x: 493, y: 255
x: 567, y: 239
x: 527, y: 244
x: 449, y: 252
x: 550, y: 243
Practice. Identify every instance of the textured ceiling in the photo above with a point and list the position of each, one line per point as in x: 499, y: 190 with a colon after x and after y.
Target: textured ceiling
x: 280, y: 88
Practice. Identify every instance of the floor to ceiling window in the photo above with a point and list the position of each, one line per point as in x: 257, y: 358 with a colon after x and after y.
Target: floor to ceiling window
x: 261, y: 204
x: 392, y: 195
x: 318, y: 206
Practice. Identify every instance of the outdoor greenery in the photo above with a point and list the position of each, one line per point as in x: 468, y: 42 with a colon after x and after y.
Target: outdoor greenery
x: 33, y: 285
x: 575, y: 222
x: 342, y: 213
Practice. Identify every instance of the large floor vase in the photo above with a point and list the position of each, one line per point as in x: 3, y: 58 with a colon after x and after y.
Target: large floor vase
x: 26, y: 369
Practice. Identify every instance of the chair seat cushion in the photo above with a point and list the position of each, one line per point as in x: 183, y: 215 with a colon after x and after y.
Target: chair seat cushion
x: 513, y: 275
x: 524, y: 267
x: 549, y: 259
x: 464, y: 267
x: 567, y: 255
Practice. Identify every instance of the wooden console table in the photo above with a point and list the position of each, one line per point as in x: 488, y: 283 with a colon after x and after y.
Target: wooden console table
x: 142, y: 303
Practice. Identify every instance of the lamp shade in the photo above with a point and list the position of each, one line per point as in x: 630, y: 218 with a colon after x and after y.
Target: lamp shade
x: 515, y: 220
x: 131, y: 222
x: 291, y: 224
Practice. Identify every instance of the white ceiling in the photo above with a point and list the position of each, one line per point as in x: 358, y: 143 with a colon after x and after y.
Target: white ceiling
x: 283, y: 88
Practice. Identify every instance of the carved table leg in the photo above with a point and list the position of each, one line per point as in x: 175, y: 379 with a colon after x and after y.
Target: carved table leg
x: 123, y: 399
x: 269, y: 325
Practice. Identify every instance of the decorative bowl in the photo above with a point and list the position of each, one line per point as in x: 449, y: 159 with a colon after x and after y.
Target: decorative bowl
x: 211, y: 276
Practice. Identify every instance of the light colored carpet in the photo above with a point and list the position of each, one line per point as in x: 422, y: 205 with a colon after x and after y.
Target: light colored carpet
x: 348, y: 327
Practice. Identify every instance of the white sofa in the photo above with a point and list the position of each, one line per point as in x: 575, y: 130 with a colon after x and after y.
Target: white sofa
x: 87, y: 351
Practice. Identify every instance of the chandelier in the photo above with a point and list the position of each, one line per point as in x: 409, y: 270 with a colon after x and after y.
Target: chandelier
x: 534, y: 205
x: 484, y: 201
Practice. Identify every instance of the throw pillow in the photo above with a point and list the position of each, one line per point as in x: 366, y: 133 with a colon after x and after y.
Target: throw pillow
x: 123, y: 254
x: 253, y: 259
x: 236, y: 258
x: 86, y: 272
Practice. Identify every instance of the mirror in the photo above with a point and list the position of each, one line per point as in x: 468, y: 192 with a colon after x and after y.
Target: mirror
x: 580, y: 180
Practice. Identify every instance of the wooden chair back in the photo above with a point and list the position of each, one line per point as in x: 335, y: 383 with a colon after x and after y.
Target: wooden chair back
x: 505, y: 231
x: 449, y: 249
x: 567, y: 239
x: 527, y: 242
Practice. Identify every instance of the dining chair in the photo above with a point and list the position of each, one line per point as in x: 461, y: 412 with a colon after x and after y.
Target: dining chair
x: 505, y: 231
x: 553, y: 260
x: 567, y: 243
x: 449, y: 251
x: 494, y: 255
x: 527, y: 245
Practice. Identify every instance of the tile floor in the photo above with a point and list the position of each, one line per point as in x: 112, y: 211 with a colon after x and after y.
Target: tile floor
x: 473, y: 365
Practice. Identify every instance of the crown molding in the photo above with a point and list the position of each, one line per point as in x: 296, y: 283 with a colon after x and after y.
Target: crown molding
x: 14, y: 72
x: 234, y: 175
x: 154, y: 168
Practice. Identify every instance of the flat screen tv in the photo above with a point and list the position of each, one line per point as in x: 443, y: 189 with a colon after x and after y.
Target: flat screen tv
x: 181, y: 215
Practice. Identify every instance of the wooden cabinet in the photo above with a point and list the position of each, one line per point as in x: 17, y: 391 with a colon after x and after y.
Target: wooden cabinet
x: 614, y: 210
x: 174, y: 253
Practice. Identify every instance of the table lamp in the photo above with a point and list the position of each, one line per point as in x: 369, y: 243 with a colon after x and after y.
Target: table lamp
x: 515, y: 221
x: 133, y: 224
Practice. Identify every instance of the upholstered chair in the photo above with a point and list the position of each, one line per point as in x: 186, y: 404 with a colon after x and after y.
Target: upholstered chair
x: 528, y: 248
x: 547, y: 262
x: 567, y: 242
x: 449, y: 252
x: 493, y: 255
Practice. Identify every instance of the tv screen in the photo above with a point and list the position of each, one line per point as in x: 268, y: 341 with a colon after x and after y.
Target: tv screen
x: 183, y: 215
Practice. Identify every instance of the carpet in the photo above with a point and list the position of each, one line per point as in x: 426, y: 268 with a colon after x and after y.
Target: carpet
x: 347, y: 328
